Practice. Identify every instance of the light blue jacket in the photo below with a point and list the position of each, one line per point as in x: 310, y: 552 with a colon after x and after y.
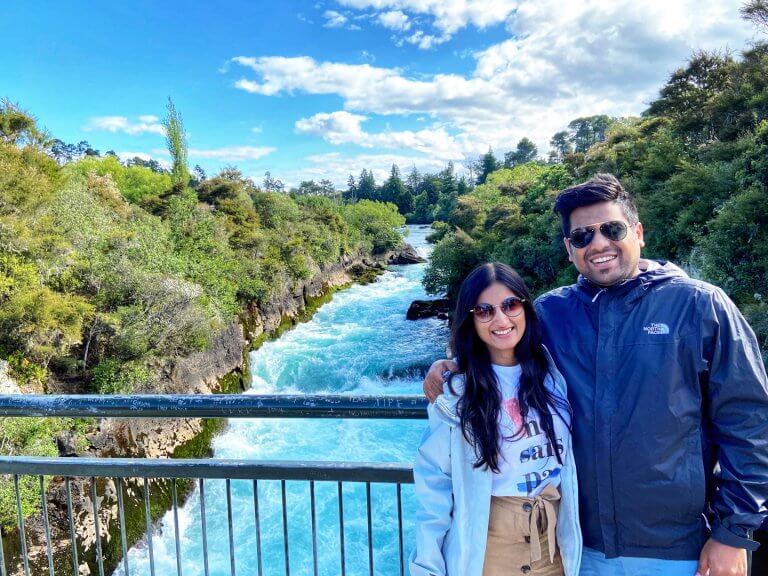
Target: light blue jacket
x: 454, y: 498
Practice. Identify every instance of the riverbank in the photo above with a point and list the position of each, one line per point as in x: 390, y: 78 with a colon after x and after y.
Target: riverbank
x: 222, y: 368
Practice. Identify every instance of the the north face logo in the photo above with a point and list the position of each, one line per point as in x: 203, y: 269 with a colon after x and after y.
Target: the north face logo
x: 656, y: 328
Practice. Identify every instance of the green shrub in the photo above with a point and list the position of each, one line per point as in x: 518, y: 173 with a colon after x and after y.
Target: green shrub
x: 31, y: 437
x: 113, y: 377
x: 25, y: 372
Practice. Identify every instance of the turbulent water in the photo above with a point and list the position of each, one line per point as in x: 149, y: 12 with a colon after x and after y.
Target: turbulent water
x: 359, y: 343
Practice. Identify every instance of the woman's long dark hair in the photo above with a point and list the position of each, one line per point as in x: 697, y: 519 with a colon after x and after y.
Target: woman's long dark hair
x: 480, y: 404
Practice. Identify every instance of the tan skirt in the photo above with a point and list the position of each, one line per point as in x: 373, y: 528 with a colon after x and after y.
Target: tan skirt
x: 521, y: 536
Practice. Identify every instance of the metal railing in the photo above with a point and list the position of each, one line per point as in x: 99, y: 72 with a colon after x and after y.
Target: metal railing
x: 142, y: 471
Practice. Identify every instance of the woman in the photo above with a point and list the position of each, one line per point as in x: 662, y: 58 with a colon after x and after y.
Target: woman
x: 494, y: 473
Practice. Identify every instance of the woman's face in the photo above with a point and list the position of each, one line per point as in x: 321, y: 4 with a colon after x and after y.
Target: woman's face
x: 502, y: 333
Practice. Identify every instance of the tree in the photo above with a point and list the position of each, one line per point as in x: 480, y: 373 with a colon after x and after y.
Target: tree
x: 560, y: 147
x: 447, y: 175
x: 312, y: 188
x: 272, y: 184
x: 689, y: 96
x: 587, y: 131
x: 756, y: 11
x: 525, y: 152
x: 394, y: 190
x: 350, y: 195
x: 377, y: 222
x: 152, y: 164
x: 366, y: 186
x: 413, y: 180
x: 199, y: 174
x: 486, y: 164
x: 19, y: 127
x: 176, y: 140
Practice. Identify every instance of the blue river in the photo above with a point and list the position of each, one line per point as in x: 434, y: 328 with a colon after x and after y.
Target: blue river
x: 358, y: 343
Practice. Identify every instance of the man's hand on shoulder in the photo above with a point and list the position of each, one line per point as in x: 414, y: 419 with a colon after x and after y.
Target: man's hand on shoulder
x: 433, y: 383
x: 718, y: 559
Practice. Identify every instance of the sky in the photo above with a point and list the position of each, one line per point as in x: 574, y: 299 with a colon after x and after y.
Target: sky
x: 323, y: 89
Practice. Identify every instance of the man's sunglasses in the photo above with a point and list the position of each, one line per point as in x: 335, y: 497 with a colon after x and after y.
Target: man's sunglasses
x: 511, y: 307
x: 614, y: 230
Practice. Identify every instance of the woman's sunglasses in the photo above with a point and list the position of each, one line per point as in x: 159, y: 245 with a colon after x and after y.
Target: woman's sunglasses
x: 511, y: 307
x: 614, y: 230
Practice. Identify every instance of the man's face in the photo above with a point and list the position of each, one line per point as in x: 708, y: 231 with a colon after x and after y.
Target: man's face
x: 603, y: 261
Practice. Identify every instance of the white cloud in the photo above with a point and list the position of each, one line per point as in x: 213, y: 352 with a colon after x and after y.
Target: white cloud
x: 146, y: 124
x: 426, y: 41
x: 334, y: 19
x: 447, y: 17
x: 257, y: 129
x: 394, y: 20
x: 345, y: 128
x: 563, y: 60
x: 233, y: 153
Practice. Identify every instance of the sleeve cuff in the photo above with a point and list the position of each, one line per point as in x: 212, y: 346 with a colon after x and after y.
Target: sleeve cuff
x: 725, y: 536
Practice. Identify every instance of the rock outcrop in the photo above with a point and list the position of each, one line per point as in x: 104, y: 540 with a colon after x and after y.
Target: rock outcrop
x: 407, y: 255
x: 420, y: 309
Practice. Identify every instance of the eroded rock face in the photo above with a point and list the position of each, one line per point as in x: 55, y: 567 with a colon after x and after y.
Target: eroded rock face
x: 7, y: 384
x: 200, y: 372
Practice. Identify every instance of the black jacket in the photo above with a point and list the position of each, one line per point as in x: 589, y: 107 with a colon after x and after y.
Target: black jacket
x: 670, y: 404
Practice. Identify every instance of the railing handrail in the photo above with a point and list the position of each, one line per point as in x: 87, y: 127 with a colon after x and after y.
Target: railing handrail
x: 214, y: 406
x: 384, y: 472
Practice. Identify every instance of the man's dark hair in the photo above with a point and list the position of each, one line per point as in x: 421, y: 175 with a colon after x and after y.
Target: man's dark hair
x: 600, y: 188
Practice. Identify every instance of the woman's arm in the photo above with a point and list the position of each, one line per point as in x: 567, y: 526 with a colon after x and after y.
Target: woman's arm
x: 434, y: 494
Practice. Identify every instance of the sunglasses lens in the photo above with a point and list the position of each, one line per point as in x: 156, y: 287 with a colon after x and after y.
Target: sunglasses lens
x: 512, y: 307
x: 483, y: 312
x: 616, y: 230
x: 580, y: 237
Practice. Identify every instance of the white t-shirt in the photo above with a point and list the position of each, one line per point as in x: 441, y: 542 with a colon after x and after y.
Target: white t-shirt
x: 527, y: 462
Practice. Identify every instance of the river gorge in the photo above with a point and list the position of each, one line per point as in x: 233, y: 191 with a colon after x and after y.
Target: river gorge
x: 358, y: 343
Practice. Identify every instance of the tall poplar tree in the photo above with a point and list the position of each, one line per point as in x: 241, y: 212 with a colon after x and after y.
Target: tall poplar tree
x: 176, y: 140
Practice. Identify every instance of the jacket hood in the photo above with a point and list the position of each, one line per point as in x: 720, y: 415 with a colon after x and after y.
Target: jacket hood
x: 652, y: 272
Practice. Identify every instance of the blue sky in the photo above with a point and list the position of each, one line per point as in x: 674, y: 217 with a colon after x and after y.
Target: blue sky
x: 322, y: 89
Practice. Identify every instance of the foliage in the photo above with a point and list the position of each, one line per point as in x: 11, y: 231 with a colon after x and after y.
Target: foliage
x: 113, y: 377
x: 176, y: 141
x: 134, y: 182
x: 485, y: 165
x: 524, y: 152
x: 452, y: 259
x: 27, y: 374
x: 756, y: 11
x: 375, y: 224
x: 31, y: 437
x: 18, y: 127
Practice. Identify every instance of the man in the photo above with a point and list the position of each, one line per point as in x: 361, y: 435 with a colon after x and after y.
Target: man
x: 670, y: 400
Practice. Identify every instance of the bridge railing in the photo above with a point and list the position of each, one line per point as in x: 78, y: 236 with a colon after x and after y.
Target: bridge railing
x: 142, y: 473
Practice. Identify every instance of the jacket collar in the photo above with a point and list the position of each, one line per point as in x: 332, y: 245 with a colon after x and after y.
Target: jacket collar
x: 652, y: 272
